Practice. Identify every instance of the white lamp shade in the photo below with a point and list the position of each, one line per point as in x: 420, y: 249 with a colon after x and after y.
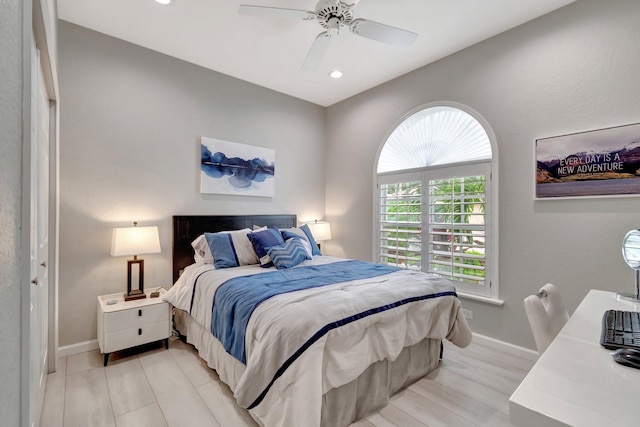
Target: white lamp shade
x: 321, y: 230
x: 135, y: 241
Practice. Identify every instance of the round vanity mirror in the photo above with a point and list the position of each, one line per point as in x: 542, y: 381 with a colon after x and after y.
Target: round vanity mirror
x: 631, y: 249
x: 631, y: 255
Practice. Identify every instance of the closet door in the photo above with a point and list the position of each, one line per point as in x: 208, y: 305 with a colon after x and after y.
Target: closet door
x: 39, y: 239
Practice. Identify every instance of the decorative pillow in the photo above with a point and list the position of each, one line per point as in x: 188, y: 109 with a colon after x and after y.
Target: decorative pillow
x: 305, y: 233
x: 289, y: 234
x: 231, y: 248
x: 290, y: 254
x: 201, y: 251
x: 262, y: 241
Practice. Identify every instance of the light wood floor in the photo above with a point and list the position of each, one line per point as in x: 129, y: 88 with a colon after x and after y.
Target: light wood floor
x: 159, y: 388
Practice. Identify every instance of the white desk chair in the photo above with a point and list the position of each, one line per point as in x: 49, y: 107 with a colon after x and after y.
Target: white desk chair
x: 547, y: 315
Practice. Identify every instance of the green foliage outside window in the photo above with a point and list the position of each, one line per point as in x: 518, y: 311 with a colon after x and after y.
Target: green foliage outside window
x: 457, y: 251
x: 453, y: 203
x: 402, y: 224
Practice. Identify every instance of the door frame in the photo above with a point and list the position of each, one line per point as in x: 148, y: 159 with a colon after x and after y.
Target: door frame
x: 44, y: 14
x: 38, y: 18
x: 44, y: 17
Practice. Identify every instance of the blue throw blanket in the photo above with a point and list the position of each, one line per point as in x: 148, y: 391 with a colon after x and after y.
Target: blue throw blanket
x: 236, y: 299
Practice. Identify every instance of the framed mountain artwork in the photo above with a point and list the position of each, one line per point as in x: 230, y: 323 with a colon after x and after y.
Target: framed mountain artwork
x: 236, y: 169
x: 604, y: 162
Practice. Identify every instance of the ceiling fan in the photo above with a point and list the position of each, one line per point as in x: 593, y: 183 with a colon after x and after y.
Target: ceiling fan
x: 333, y: 15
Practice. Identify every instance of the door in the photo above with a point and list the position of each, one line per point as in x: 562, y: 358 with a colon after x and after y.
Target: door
x: 39, y: 239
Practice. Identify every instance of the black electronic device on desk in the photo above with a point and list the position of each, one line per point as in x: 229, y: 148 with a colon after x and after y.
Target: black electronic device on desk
x: 620, y: 329
x: 621, y: 332
x: 627, y: 356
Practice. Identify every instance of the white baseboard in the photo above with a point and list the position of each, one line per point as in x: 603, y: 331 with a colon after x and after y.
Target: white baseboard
x: 506, y: 347
x: 81, y: 347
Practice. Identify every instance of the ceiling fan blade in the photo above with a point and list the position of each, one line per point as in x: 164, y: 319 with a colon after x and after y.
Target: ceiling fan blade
x: 317, y: 51
x: 383, y: 33
x: 305, y: 15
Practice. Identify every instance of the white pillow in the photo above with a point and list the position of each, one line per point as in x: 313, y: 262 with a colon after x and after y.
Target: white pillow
x: 231, y: 248
x: 202, y: 251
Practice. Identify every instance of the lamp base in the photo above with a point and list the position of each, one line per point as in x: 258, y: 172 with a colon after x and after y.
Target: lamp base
x: 627, y: 297
x: 135, y: 294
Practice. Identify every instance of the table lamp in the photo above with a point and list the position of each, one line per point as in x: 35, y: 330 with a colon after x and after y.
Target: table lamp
x: 135, y: 241
x: 321, y: 231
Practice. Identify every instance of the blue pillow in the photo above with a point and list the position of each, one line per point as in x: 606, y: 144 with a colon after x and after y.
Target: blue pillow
x: 305, y: 233
x: 231, y: 248
x: 315, y: 250
x: 296, y: 233
x: 290, y: 254
x: 262, y: 241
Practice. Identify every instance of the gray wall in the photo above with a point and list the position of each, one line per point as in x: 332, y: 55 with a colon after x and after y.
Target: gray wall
x: 131, y: 120
x: 11, y: 102
x: 573, y: 70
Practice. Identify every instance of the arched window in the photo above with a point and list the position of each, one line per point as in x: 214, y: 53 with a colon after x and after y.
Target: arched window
x: 435, y: 199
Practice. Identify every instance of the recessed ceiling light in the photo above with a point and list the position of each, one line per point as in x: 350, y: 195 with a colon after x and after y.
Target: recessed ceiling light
x: 335, y: 74
x: 164, y: 1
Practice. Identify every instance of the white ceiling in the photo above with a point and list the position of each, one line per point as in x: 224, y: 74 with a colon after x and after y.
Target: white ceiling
x: 269, y: 51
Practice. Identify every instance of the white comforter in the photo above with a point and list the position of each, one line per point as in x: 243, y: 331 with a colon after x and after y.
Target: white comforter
x: 281, y: 324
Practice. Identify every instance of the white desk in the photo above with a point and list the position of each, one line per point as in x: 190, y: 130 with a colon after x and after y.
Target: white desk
x: 575, y: 381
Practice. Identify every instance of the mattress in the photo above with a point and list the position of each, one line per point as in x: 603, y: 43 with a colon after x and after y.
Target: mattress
x: 348, y: 370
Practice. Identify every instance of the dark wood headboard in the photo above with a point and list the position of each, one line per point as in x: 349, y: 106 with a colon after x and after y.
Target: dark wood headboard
x: 187, y: 227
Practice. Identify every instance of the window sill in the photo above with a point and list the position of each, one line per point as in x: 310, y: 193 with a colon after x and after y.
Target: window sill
x: 488, y: 300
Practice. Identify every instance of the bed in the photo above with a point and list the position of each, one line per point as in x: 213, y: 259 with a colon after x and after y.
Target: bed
x: 324, y: 354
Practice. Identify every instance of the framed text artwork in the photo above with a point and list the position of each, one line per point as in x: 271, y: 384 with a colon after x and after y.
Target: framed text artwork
x: 604, y: 162
x: 238, y: 169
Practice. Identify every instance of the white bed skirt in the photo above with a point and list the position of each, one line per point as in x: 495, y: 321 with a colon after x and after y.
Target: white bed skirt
x: 340, y: 406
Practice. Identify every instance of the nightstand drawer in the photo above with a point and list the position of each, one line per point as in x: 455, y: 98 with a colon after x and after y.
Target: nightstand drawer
x: 134, y: 317
x: 131, y: 337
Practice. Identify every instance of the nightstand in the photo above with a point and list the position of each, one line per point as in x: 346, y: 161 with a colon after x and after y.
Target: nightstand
x: 125, y: 324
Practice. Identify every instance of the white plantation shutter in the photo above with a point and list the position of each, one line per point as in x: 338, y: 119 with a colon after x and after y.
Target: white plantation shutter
x: 457, y: 242
x: 401, y: 224
x: 435, y: 216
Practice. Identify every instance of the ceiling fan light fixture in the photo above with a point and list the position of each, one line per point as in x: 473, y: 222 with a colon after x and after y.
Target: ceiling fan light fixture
x: 332, y: 15
x: 335, y: 74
